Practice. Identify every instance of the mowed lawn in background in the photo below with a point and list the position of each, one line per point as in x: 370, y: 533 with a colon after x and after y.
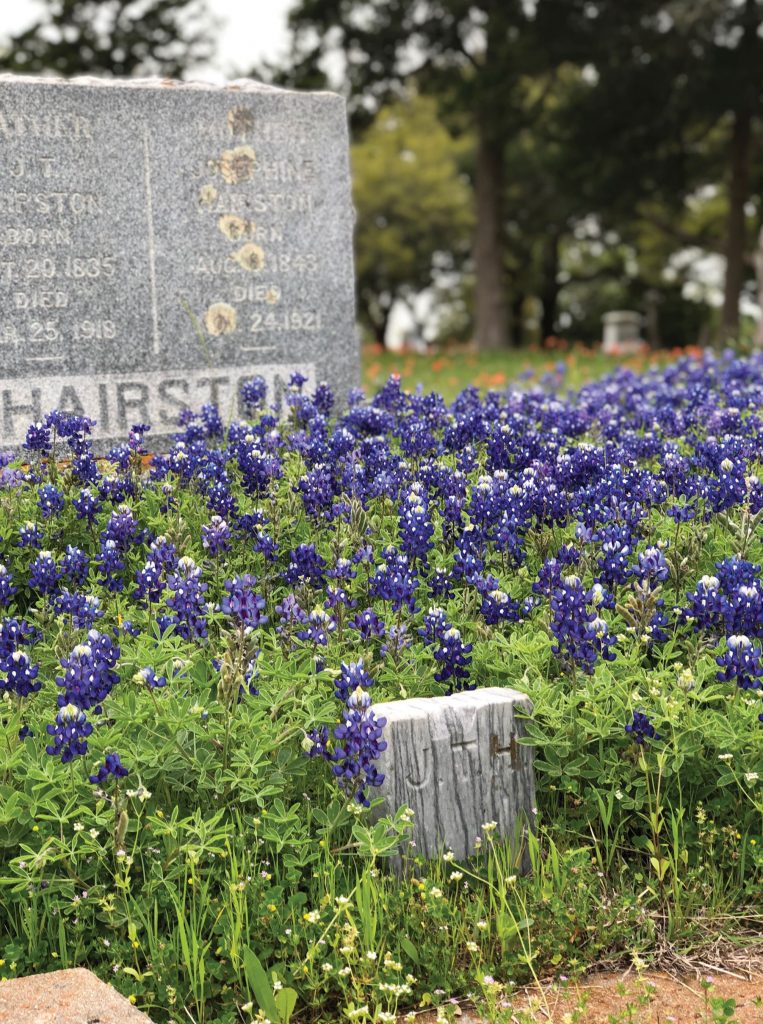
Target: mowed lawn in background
x: 451, y: 370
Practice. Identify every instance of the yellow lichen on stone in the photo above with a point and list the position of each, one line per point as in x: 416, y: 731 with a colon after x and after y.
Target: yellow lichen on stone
x: 240, y: 121
x: 250, y: 257
x: 235, y: 228
x: 207, y: 195
x: 220, y: 318
x: 272, y: 296
x: 237, y: 165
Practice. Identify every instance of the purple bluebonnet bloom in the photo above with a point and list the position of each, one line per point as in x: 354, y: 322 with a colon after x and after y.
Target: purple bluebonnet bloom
x: 216, y: 536
x: 454, y: 658
x: 741, y: 663
x: 74, y: 566
x: 368, y: 625
x: 187, y: 602
x: 89, y: 672
x: 111, y: 565
x: 652, y: 566
x: 242, y: 603
x: 112, y: 765
x: 43, y: 573
x: 395, y: 581
x: 69, y: 734
x: 581, y: 635
x: 38, y: 438
x: 150, y: 583
x: 7, y: 587
x: 317, y: 628
x: 148, y: 677
x: 357, y: 740
x: 253, y: 393
x: 30, y: 535
x: 50, y: 501
x: 86, y: 505
x: 305, y: 566
x: 83, y: 608
x: 641, y: 729
x: 20, y: 675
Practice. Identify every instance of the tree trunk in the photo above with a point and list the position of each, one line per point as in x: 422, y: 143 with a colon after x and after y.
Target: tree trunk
x: 736, y: 233
x: 549, y: 295
x: 759, y: 276
x: 491, y: 312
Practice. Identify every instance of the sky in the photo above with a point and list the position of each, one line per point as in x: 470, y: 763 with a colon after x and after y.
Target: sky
x: 250, y: 30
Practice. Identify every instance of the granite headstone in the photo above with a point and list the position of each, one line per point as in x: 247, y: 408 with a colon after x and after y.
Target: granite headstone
x: 457, y: 763
x: 161, y: 242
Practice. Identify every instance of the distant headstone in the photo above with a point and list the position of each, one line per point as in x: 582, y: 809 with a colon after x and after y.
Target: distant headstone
x: 622, y: 333
x: 162, y: 242
x: 65, y: 997
x: 455, y: 761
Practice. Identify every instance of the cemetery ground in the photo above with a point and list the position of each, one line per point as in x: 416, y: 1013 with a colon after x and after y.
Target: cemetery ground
x: 192, y: 654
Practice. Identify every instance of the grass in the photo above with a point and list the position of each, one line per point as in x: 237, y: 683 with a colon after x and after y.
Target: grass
x: 453, y: 369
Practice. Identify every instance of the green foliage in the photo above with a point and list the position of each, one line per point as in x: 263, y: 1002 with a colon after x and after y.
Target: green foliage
x: 112, y: 37
x: 413, y: 206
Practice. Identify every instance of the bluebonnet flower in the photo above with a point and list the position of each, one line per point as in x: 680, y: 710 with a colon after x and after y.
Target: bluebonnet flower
x: 69, y: 734
x: 454, y: 657
x: 74, y: 566
x: 351, y: 676
x: 741, y: 663
x: 50, y: 501
x: 112, y: 765
x: 414, y: 525
x: 216, y: 536
x: 581, y: 635
x: 641, y: 729
x: 187, y: 602
x: 20, y: 675
x: 83, y: 608
x: 323, y: 398
x: 7, y: 587
x: 38, y: 438
x: 43, y: 573
x: 368, y: 625
x: 148, y: 677
x: 434, y: 627
x: 305, y: 566
x: 30, y: 535
x: 358, y: 744
x: 87, y: 505
x: 150, y: 583
x: 395, y: 581
x: 652, y: 566
x: 317, y: 628
x: 441, y: 584
x: 357, y: 740
x: 89, y: 672
x: 242, y: 603
x: 111, y: 564
x: 15, y: 633
x: 253, y: 393
x: 122, y: 528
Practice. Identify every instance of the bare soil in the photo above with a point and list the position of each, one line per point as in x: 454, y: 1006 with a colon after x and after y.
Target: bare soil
x: 652, y: 996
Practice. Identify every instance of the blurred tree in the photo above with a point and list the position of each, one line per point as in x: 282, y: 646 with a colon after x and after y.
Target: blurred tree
x: 413, y: 202
x: 475, y: 55
x: 112, y: 37
x: 679, y: 99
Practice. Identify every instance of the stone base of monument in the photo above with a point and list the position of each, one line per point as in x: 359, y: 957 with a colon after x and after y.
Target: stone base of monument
x: 65, y: 997
x: 457, y: 763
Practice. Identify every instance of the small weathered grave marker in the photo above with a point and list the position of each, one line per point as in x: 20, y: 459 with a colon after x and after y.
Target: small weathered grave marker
x: 455, y: 761
x: 162, y: 242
